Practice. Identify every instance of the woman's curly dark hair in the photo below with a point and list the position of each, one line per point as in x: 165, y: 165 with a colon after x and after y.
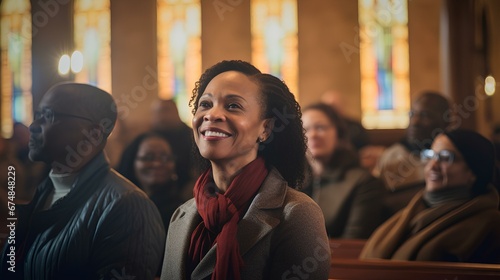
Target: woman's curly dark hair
x: 285, y: 148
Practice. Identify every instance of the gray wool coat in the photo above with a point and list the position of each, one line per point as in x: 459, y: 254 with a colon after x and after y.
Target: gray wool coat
x: 282, y: 236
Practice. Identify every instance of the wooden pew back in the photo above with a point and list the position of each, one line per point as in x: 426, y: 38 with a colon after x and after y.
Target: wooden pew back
x: 346, y: 248
x: 346, y: 265
x: 352, y: 269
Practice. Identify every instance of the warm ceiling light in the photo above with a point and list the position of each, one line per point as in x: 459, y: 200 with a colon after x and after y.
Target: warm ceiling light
x: 76, y: 62
x: 64, y: 65
x: 489, y: 85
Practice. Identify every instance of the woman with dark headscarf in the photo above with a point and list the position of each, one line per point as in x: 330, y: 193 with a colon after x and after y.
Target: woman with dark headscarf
x: 456, y: 217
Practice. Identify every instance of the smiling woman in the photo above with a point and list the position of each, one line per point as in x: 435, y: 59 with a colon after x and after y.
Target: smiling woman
x: 347, y: 193
x: 150, y: 163
x: 456, y: 218
x: 227, y: 125
x: 246, y: 212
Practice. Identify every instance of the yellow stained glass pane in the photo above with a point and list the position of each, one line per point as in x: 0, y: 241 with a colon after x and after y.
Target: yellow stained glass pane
x: 179, y: 51
x: 275, y: 40
x: 92, y: 22
x: 16, y: 97
x: 384, y: 55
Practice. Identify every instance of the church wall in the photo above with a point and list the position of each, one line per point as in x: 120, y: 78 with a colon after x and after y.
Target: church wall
x: 328, y: 51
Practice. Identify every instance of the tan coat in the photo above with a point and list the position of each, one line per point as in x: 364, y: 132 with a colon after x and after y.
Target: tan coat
x: 281, y: 236
x: 460, y: 232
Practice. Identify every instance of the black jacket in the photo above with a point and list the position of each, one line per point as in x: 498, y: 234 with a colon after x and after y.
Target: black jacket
x: 105, y: 228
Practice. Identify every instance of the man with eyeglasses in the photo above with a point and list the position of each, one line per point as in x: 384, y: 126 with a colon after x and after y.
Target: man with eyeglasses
x: 399, y: 166
x: 85, y: 220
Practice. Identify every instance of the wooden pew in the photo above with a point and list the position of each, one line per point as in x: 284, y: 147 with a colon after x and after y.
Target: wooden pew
x: 346, y: 265
x: 353, y: 269
x: 346, y: 248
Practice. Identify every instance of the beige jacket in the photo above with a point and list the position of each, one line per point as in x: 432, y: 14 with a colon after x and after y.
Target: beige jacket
x: 281, y: 236
x: 398, y: 168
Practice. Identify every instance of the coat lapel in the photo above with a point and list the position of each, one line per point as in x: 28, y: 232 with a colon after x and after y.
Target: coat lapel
x: 259, y: 220
x: 256, y: 223
x: 184, y: 221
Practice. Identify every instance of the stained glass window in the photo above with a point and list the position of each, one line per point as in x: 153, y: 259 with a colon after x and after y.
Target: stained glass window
x: 274, y: 39
x: 92, y: 38
x: 385, y: 86
x: 16, y: 102
x: 179, y: 51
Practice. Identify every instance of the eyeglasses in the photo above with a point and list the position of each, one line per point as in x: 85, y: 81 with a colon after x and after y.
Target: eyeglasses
x: 49, y: 115
x: 444, y: 156
x: 152, y: 157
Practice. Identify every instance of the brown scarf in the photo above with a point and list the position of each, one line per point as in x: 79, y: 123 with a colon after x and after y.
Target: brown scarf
x: 404, y: 235
x: 221, y: 214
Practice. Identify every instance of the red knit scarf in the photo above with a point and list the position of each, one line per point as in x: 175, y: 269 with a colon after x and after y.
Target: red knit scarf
x: 220, y: 214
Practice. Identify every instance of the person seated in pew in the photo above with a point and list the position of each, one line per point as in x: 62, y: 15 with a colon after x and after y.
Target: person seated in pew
x: 246, y: 220
x: 455, y: 218
x: 357, y: 135
x: 85, y: 221
x: 349, y: 196
x: 399, y: 166
x: 150, y: 162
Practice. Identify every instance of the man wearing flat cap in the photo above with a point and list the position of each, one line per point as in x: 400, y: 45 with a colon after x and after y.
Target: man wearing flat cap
x: 85, y: 220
